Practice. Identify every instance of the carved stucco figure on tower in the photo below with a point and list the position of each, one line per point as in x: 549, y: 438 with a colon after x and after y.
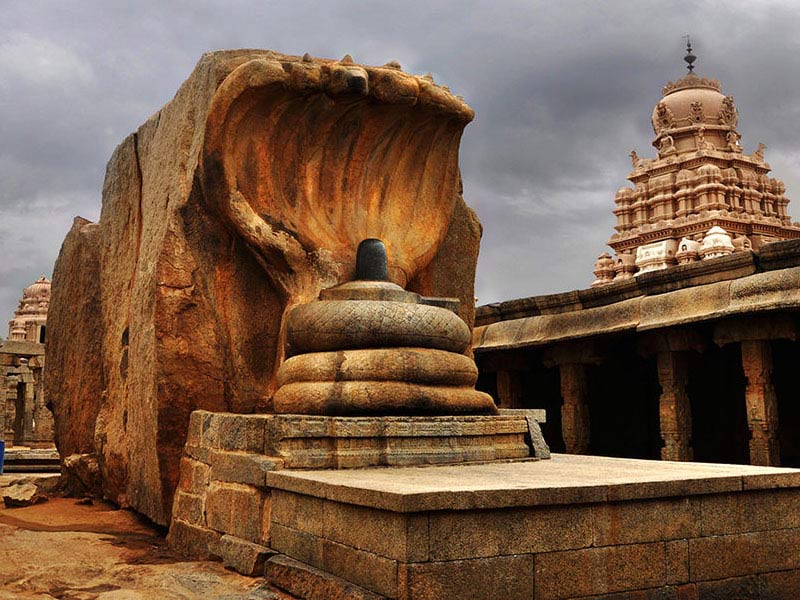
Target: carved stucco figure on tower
x: 700, y: 180
x: 244, y: 197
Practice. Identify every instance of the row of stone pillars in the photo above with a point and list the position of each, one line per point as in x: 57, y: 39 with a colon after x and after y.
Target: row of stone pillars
x: 671, y: 349
x: 24, y: 418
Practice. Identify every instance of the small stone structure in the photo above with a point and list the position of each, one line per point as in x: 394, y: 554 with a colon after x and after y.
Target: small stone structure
x: 224, y: 502
x: 27, y: 421
x: 368, y: 347
x: 701, y: 187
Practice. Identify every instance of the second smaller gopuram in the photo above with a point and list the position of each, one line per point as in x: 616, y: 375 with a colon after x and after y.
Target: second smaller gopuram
x: 702, y: 196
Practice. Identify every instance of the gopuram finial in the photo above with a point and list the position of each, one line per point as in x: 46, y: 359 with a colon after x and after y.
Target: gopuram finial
x: 689, y: 58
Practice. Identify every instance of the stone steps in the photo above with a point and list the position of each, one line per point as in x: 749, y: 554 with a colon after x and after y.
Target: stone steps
x: 309, y: 583
x: 29, y: 460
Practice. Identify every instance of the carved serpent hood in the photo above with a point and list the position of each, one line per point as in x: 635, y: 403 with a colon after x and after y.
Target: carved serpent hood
x: 307, y: 157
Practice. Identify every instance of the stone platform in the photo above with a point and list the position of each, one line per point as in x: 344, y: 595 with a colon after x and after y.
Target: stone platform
x: 570, y: 527
x: 223, y: 503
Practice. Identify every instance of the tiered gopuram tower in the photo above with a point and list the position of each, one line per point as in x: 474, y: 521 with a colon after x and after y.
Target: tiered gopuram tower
x: 702, y: 197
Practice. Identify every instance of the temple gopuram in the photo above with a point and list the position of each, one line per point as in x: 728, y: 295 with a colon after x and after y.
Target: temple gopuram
x: 684, y: 346
x: 701, y: 197
x: 27, y: 420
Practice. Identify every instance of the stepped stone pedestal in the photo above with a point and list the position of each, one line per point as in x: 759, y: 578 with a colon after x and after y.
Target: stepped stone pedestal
x: 224, y: 501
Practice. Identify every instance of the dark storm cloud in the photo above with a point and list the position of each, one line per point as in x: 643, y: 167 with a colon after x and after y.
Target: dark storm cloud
x: 562, y: 92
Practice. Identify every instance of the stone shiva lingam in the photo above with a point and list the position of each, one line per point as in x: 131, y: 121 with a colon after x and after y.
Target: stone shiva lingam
x: 369, y: 347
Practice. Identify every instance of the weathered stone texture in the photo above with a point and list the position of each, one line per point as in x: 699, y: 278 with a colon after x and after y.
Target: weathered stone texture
x: 74, y: 381
x: 174, y: 300
x: 244, y: 557
x: 22, y: 494
x: 305, y: 581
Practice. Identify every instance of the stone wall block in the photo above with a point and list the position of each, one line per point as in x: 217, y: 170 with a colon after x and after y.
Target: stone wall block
x: 235, y: 509
x: 241, y: 433
x: 596, y: 571
x: 677, y: 561
x: 297, y: 544
x: 645, y: 521
x: 198, y: 453
x: 470, y: 534
x: 191, y: 540
x: 305, y: 581
x: 782, y: 584
x: 242, y: 467
x: 733, y: 588
x: 737, y: 555
x: 209, y: 434
x: 371, y: 571
x: 394, y: 535
x: 242, y: 556
x: 194, y: 476
x: 297, y: 511
x: 507, y: 577
x: 750, y: 511
x: 194, y: 434
x: 189, y: 508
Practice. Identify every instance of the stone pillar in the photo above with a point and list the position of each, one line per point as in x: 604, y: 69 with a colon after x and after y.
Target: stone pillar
x: 675, y: 412
x: 19, y: 415
x: 753, y: 335
x: 509, y: 389
x: 573, y: 360
x: 575, y: 409
x: 762, y: 405
x: 28, y: 433
x: 42, y: 417
x: 10, y: 407
x: 3, y: 393
x: 671, y: 348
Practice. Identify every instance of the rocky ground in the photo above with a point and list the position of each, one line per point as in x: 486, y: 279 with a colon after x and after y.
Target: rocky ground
x: 71, y: 551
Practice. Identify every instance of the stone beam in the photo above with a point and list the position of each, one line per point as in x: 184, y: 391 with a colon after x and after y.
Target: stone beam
x: 765, y: 327
x: 671, y: 340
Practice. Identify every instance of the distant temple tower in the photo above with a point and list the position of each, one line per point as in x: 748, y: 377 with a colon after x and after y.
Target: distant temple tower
x: 30, y: 318
x: 701, y: 197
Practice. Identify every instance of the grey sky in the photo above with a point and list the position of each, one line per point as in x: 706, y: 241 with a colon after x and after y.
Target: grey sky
x: 562, y: 91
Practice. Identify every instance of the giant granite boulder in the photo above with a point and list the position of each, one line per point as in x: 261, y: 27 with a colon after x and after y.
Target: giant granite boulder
x: 244, y: 196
